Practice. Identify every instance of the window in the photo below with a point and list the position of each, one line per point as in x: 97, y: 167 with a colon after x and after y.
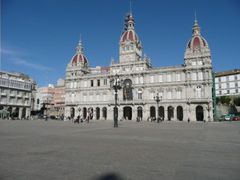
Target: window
x: 91, y: 83
x: 194, y: 77
x: 179, y: 94
x: 169, y: 78
x: 220, y: 92
x: 160, y: 78
x: 169, y: 95
x: 98, y: 82
x: 178, y: 77
x: 235, y: 77
x: 105, y: 81
x: 152, y: 79
x: 228, y: 92
x: 137, y: 80
x: 139, y: 94
x: 200, y: 76
x: 198, y: 92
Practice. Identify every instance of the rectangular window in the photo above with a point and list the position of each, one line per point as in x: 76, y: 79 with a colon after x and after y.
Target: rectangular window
x: 91, y: 83
x: 152, y: 79
x: 200, y: 76
x: 178, y: 94
x: 235, y: 77
x: 105, y: 82
x: 194, y: 77
x: 228, y: 92
x: 98, y: 82
x: 178, y: 77
x: 137, y: 80
x: 169, y: 95
x: 160, y: 78
x: 169, y: 78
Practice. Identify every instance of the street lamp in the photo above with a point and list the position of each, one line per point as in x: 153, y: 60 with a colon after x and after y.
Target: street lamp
x: 115, y: 84
x: 157, y: 99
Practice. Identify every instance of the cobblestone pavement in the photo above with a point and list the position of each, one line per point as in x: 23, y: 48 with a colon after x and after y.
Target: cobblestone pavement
x: 39, y: 150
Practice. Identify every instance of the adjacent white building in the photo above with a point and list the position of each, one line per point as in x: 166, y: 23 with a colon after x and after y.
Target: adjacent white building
x: 17, y: 94
x: 185, y: 90
x: 227, y: 83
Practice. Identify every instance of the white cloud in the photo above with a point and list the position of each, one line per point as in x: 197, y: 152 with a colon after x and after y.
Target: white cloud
x: 23, y: 62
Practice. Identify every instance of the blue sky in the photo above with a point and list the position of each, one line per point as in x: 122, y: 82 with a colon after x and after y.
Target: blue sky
x: 38, y: 37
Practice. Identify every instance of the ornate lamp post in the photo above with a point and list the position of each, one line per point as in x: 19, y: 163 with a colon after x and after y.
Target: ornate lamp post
x: 208, y: 108
x: 157, y: 99
x: 115, y: 84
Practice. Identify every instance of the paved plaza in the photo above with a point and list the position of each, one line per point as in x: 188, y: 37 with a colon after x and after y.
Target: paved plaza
x: 39, y: 150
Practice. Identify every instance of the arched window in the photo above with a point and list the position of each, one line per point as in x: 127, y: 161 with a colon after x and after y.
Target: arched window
x: 127, y: 90
x: 198, y: 92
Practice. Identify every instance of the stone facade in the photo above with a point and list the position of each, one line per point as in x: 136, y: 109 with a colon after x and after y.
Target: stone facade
x: 185, y: 90
x: 17, y: 94
x: 227, y: 83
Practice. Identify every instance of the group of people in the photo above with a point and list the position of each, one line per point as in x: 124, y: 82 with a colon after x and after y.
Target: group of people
x: 151, y: 119
x: 81, y: 119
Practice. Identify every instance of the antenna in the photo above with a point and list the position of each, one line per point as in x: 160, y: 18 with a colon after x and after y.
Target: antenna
x: 130, y: 6
x: 195, y: 15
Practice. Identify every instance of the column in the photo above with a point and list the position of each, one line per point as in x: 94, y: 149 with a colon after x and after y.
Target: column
x: 145, y: 113
x: 20, y: 113
x: 165, y: 113
x: 134, y: 113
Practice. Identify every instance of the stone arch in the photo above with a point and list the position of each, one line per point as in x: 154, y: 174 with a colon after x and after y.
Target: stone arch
x: 90, y: 113
x: 104, y: 113
x: 170, y: 112
x: 72, y: 112
x: 161, y: 112
x: 97, y: 113
x: 180, y: 113
x: 152, y: 112
x: 199, y: 113
x: 84, y: 113
x: 127, y: 113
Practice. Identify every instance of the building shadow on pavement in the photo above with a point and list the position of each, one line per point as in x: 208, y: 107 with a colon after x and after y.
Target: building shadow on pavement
x: 109, y: 176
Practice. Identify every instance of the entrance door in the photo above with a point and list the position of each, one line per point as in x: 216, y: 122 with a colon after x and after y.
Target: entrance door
x: 152, y: 112
x: 199, y: 113
x: 139, y: 112
x: 127, y: 113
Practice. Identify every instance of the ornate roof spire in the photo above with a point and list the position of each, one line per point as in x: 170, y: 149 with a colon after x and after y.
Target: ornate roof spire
x: 196, y: 28
x: 79, y: 47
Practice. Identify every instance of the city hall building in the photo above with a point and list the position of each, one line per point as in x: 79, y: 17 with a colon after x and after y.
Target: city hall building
x: 185, y: 90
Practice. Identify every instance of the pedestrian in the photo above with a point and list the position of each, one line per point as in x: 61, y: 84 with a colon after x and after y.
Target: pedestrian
x: 188, y: 120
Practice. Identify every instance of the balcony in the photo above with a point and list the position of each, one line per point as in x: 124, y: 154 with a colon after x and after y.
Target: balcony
x: 3, y: 94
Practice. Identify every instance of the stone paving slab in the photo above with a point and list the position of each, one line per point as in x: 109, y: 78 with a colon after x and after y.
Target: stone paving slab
x: 37, y: 150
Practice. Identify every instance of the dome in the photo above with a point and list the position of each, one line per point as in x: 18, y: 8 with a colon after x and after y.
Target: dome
x: 129, y: 35
x: 197, y: 42
x: 79, y: 58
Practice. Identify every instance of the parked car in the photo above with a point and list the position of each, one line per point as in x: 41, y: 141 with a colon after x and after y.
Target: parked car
x: 236, y: 118
x: 221, y: 118
x: 229, y: 117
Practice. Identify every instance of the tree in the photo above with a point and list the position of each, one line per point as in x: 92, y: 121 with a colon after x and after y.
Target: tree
x: 225, y: 100
x: 236, y: 101
x: 232, y: 109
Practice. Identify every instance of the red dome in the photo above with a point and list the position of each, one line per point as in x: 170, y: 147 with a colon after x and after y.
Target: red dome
x: 129, y: 35
x: 79, y: 58
x: 197, y: 42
